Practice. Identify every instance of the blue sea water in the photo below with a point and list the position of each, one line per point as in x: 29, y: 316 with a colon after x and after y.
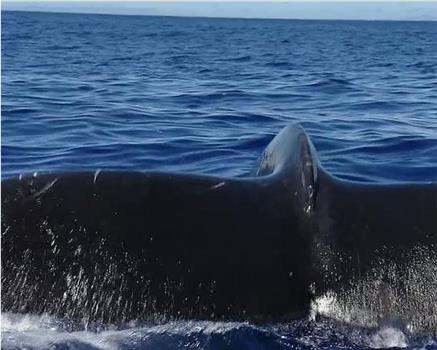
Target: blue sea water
x: 207, y: 95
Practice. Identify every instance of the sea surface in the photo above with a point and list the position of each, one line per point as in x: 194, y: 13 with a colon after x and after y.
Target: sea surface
x: 207, y: 95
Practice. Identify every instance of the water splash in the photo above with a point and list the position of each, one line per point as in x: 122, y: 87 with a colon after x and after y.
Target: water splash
x: 406, y: 294
x: 45, y: 332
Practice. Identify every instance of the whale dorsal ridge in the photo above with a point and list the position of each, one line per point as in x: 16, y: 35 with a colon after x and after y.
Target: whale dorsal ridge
x: 290, y: 159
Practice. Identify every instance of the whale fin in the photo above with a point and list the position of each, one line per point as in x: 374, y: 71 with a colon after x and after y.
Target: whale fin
x: 290, y: 159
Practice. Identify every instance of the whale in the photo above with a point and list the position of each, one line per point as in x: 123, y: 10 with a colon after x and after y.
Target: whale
x: 115, y: 246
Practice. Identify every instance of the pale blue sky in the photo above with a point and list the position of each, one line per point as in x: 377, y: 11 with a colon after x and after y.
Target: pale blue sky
x: 373, y: 10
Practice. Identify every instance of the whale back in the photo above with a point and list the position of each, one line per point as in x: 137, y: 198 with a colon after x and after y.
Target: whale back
x: 290, y: 159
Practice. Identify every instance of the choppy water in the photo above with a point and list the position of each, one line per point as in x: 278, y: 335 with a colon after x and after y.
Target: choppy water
x: 207, y: 95
x: 43, y: 332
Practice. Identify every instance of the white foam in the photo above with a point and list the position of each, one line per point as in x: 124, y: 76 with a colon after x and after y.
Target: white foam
x: 42, y: 332
x: 388, y: 337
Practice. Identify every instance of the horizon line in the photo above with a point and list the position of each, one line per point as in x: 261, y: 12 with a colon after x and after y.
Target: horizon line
x: 218, y: 17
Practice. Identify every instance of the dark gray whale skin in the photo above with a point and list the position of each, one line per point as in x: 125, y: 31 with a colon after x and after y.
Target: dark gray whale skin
x: 117, y: 246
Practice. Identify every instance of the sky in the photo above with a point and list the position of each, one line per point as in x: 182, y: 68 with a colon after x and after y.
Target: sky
x: 370, y: 10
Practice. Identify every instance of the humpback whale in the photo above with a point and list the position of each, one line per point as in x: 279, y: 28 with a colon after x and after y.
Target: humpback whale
x: 114, y: 246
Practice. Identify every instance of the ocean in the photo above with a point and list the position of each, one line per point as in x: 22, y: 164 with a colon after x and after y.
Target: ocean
x: 87, y: 92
